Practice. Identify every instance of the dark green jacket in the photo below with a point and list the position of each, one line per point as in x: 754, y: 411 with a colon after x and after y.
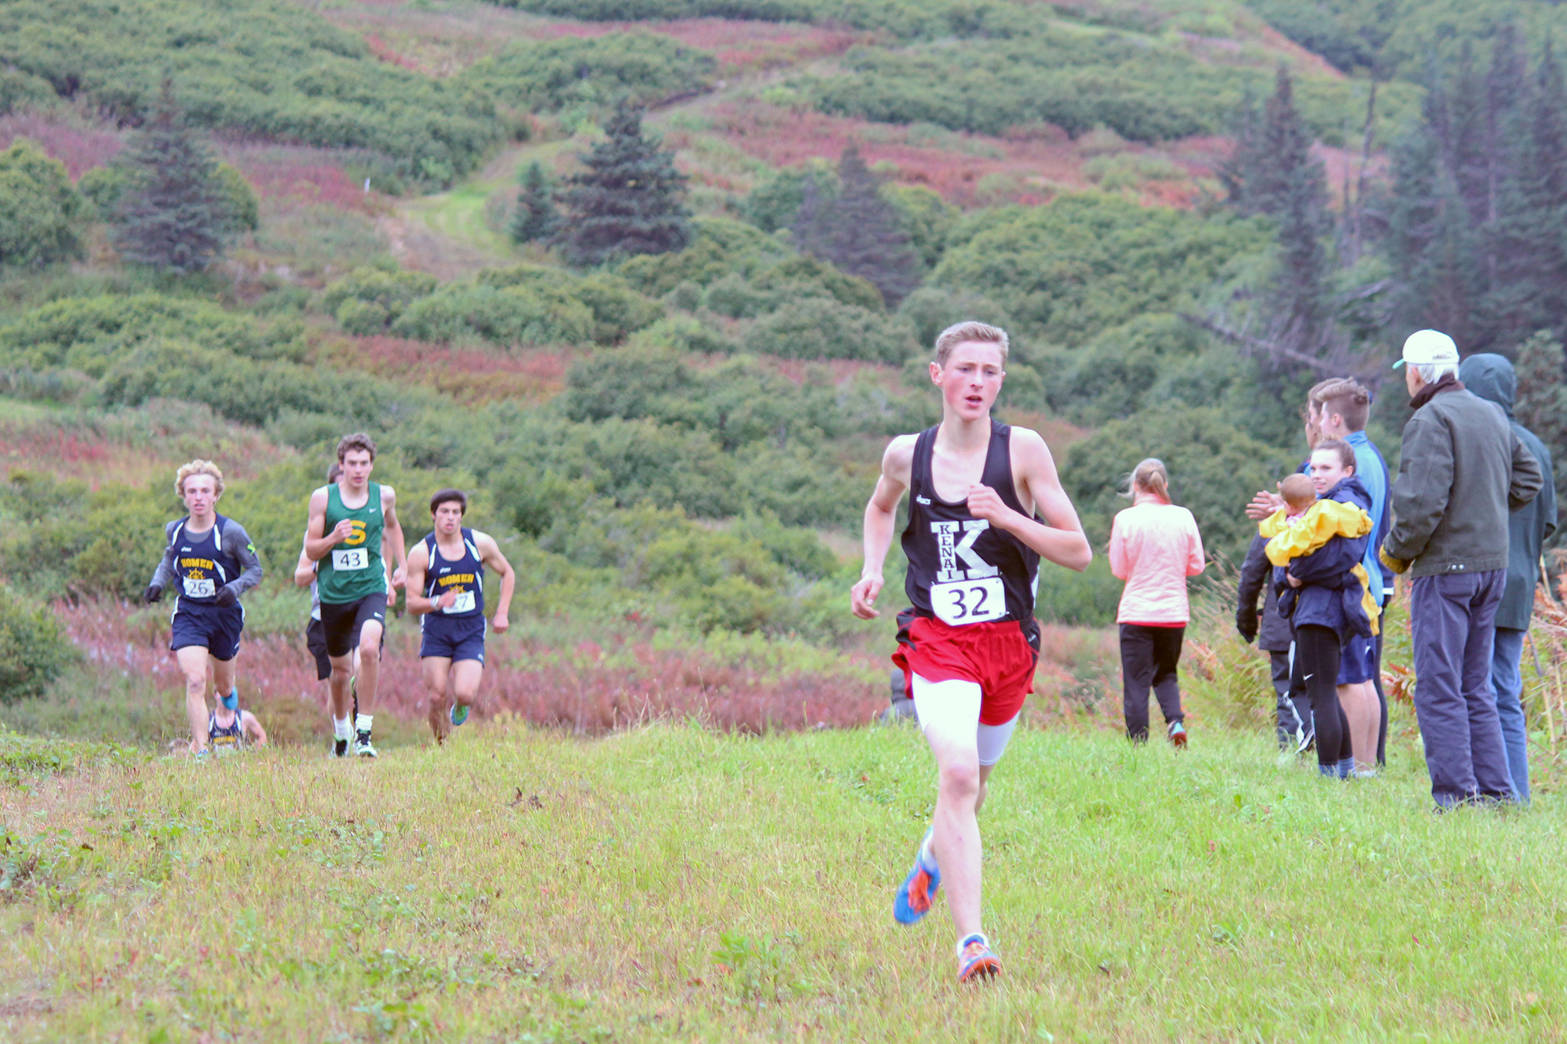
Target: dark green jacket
x: 1460, y: 472
x: 1491, y: 377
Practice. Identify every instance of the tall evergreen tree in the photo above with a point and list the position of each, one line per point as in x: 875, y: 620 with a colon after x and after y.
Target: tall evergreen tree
x: 629, y: 199
x: 537, y: 216
x: 1273, y: 148
x: 172, y: 213
x: 862, y: 233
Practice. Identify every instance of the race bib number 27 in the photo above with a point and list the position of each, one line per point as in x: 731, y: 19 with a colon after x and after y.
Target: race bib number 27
x: 960, y: 602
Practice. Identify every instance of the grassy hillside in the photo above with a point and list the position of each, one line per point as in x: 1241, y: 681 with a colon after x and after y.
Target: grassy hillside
x: 670, y: 884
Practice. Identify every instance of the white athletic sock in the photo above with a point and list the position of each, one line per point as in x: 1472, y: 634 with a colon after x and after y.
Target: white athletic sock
x: 341, y: 730
x: 927, y: 855
x: 970, y: 937
x: 362, y: 723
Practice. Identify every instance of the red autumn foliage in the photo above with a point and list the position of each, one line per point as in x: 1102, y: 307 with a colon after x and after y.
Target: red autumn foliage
x: 302, y: 173
x: 737, y: 44
x: 1029, y: 165
x: 592, y: 688
x: 79, y: 149
x: 469, y: 375
x: 387, y: 54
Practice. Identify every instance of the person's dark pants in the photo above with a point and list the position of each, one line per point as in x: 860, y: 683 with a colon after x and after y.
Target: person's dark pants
x: 1453, y: 620
x: 1148, y: 659
x: 1376, y: 681
x: 1317, y: 652
x: 1288, y: 718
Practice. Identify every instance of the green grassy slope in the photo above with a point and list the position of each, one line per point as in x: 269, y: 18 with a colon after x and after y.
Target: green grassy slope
x: 669, y: 883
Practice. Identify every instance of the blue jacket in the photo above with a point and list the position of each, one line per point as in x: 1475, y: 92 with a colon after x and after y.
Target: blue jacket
x: 1329, y: 595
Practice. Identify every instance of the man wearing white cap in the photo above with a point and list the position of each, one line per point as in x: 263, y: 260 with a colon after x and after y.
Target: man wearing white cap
x: 1461, y: 471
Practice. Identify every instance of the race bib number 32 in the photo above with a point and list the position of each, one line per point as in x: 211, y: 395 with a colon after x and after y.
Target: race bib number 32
x: 960, y: 602
x: 350, y: 559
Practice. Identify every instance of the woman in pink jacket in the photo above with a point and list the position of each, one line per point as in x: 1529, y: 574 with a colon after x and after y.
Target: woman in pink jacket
x: 1154, y: 547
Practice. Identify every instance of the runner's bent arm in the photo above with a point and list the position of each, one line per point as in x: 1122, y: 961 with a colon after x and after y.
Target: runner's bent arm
x: 1059, y: 538
x: 490, y: 555
x: 249, y: 561
x: 880, y: 516
x: 163, y: 576
x: 318, y: 542
x: 415, y: 601
x: 305, y: 568
x: 251, y: 726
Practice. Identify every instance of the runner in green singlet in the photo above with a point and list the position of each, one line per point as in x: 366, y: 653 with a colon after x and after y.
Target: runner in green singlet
x: 348, y: 521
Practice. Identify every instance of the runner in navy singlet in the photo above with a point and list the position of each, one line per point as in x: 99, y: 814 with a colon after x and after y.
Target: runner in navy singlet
x: 446, y: 590
x: 986, y: 505
x: 209, y: 561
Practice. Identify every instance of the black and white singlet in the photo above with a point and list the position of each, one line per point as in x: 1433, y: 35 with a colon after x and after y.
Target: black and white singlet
x: 961, y: 569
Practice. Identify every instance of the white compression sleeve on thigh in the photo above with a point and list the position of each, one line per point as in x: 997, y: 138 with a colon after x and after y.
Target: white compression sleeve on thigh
x: 993, y: 740
x: 948, y: 711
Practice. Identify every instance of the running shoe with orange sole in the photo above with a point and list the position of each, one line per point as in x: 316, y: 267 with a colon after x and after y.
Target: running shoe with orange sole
x: 977, y: 962
x: 918, y: 890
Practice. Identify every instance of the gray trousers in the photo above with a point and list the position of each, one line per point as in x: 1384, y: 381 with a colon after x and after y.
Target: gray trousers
x: 1453, y: 619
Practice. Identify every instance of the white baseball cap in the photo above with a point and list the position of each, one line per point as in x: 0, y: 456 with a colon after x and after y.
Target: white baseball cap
x: 1424, y: 347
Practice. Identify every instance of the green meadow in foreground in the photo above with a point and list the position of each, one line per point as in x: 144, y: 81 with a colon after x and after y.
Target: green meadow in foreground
x: 674, y: 883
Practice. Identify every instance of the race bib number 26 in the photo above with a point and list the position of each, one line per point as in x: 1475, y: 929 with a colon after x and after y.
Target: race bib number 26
x: 350, y: 559
x: 202, y: 588
x: 960, y: 602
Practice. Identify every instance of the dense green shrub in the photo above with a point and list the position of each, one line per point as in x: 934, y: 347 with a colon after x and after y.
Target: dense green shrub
x: 822, y: 328
x: 686, y: 333
x: 508, y: 316
x: 718, y: 247
x: 253, y: 68
x: 86, y: 332
x: 34, y: 648
x: 369, y: 300
x: 1084, y: 263
x: 41, y: 213
x: 103, y: 186
x: 241, y: 209
x: 593, y: 72
x: 617, y: 309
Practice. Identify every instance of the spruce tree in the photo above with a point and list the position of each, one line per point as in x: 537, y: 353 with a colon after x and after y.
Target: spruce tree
x: 172, y: 213
x: 859, y: 232
x: 629, y: 199
x: 536, y: 217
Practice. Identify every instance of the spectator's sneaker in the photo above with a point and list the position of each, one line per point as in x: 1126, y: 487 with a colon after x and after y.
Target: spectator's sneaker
x: 363, y: 748
x: 918, y: 890
x: 339, y: 748
x: 1177, y: 733
x: 1308, y: 741
x: 459, y: 713
x: 976, y: 960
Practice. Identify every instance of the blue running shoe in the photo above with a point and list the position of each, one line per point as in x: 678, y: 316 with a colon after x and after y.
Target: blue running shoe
x: 459, y: 714
x: 976, y: 960
x: 918, y: 890
x: 231, y: 701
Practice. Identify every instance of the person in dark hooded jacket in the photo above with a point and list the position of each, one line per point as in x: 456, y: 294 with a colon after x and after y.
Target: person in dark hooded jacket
x: 1491, y: 377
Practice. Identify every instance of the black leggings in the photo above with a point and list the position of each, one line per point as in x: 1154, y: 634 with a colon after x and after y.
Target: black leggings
x: 1317, y: 652
x: 1148, y: 661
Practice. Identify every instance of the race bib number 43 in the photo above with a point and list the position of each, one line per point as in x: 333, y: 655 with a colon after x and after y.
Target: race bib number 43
x: 960, y: 602
x: 349, y: 559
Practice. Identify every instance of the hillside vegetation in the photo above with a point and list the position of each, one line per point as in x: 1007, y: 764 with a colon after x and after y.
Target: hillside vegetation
x: 684, y: 440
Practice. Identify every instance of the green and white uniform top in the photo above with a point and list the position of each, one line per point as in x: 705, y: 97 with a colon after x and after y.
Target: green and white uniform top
x: 353, y: 569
